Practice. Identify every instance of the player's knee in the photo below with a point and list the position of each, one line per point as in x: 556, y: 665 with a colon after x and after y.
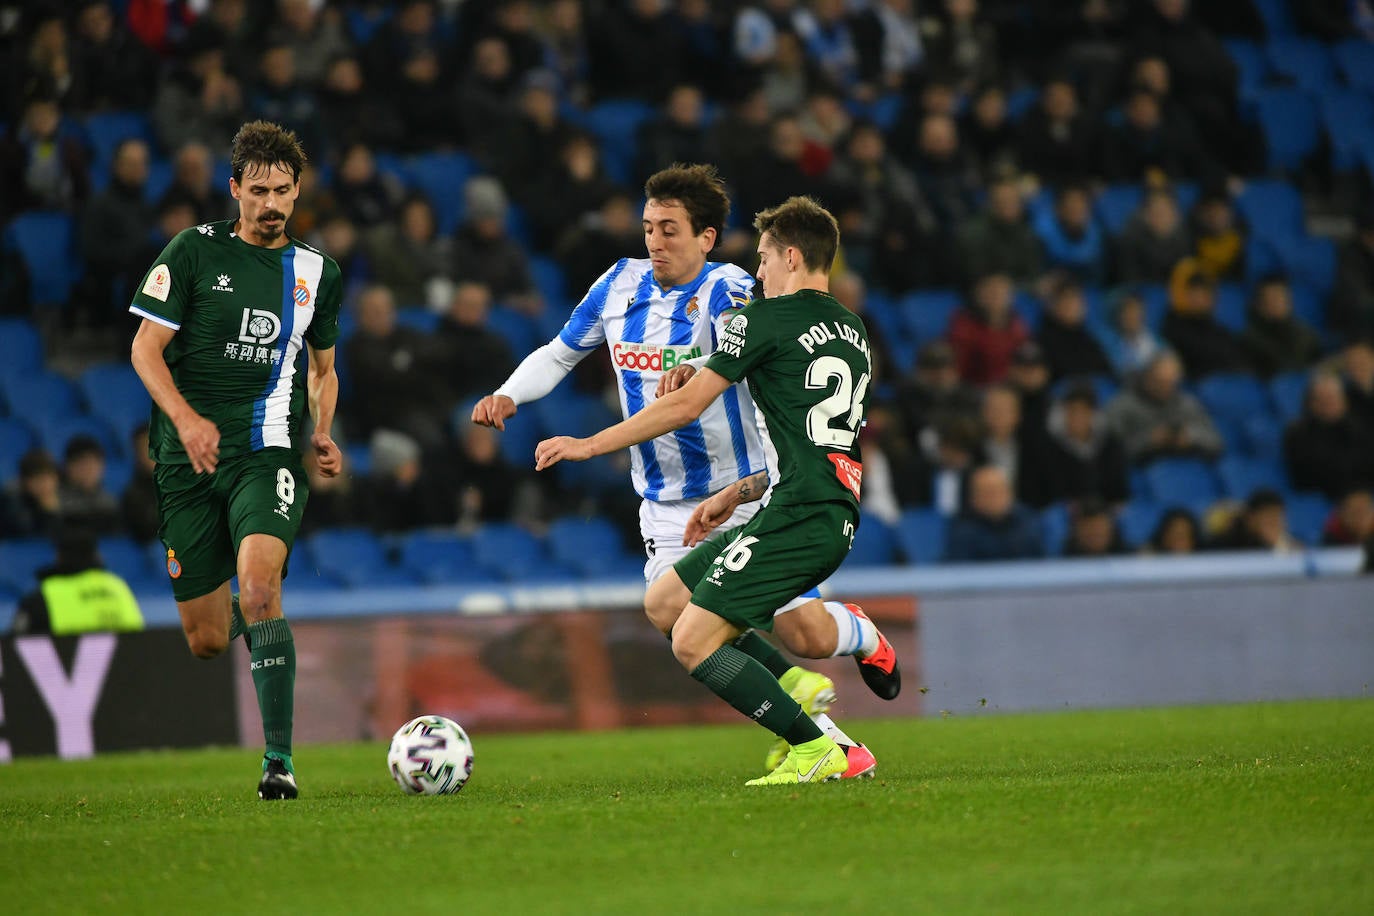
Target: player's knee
x: 205, y: 642
x: 661, y: 616
x: 256, y: 595
x: 663, y: 603
x: 688, y: 655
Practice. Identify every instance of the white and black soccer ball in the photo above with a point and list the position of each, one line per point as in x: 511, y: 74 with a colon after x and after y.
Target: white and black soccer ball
x: 430, y: 755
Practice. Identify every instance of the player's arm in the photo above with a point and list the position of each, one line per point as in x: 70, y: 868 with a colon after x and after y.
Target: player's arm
x: 537, y: 375
x: 322, y: 390
x: 199, y: 436
x: 664, y: 415
x: 711, y: 513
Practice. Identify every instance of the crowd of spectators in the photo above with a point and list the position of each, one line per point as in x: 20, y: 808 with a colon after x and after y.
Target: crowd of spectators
x: 961, y: 143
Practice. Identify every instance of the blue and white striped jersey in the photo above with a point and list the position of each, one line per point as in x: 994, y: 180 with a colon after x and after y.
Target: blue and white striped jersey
x: 649, y: 330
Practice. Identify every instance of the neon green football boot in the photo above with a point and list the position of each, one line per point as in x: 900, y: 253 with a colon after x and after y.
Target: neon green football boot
x: 814, y: 693
x: 817, y: 760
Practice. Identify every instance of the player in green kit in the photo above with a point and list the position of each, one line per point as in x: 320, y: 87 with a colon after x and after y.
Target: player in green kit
x: 238, y: 333
x: 808, y: 366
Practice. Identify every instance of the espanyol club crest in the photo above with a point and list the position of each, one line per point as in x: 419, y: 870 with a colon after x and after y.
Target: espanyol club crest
x: 301, y: 293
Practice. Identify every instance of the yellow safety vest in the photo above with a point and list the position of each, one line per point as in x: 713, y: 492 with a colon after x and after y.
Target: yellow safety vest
x: 92, y: 601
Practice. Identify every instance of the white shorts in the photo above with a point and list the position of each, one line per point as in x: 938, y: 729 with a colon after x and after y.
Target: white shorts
x: 661, y: 525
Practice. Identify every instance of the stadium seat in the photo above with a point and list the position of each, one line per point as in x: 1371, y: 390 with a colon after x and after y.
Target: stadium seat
x: 921, y: 536
x: 549, y: 280
x: 592, y: 546
x: 41, y: 397
x: 55, y: 432
x: 1260, y: 257
x: 1307, y: 514
x: 1233, y: 395
x: 1348, y: 117
x: 1355, y: 59
x: 1310, y: 260
x: 20, y: 560
x: 119, y: 470
x: 442, y: 177
x: 875, y: 544
x: 21, y: 348
x: 517, y: 329
x: 1117, y: 204
x: 1278, y: 19
x: 1263, y: 436
x: 1055, y: 523
x: 15, y: 439
x: 160, y: 175
x: 1289, y: 121
x: 115, y: 393
x: 1289, y: 391
x: 926, y: 313
x: 616, y: 124
x: 1304, y: 61
x: 1252, y: 65
x: 1138, y: 520
x: 417, y: 318
x: 513, y: 554
x: 1309, y: 305
x: 46, y: 243
x: 517, y: 442
x: 1273, y: 208
x: 1242, y: 476
x: 129, y: 559
x: 1231, y: 306
x: 351, y: 555
x: 1019, y: 103
x: 1156, y: 299
x: 1187, y: 481
x: 107, y: 129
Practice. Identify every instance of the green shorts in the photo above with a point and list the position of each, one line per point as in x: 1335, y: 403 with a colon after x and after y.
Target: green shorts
x: 206, y: 516
x: 779, y: 554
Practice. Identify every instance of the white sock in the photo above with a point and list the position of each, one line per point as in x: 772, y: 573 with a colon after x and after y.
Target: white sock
x: 854, y: 635
x: 828, y: 726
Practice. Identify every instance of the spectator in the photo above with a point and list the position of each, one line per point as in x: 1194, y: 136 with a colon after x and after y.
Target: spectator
x: 315, y: 35
x: 430, y: 115
x: 400, y: 492
x: 1006, y: 442
x: 1057, y: 140
x: 138, y: 503
x: 786, y: 168
x: 888, y: 40
x: 960, y: 45
x: 986, y: 331
x: 43, y: 62
x: 574, y: 188
x: 116, y: 70
x: 1352, y: 300
x: 597, y: 238
x: 1219, y: 235
x: 537, y: 128
x: 1327, y: 449
x: 1177, y: 533
x: 790, y: 77
x: 1082, y: 457
x: 199, y: 101
x: 174, y: 215
x: 849, y: 290
x: 485, y: 252
x: 742, y: 134
x: 1029, y: 374
x: 1261, y: 525
x: 234, y: 25
x: 1146, y: 146
x: 565, y: 48
x: 1071, y: 237
x: 933, y: 392
x: 757, y: 28
x: 389, y: 364
x: 999, y: 239
x: 333, y: 500
x: 114, y: 228
x: 85, y: 501
x: 281, y: 97
x: 995, y: 526
x: 944, y: 170
x: 828, y: 42
x: 939, y: 475
x: 1275, y: 340
x: 1069, y: 346
x: 193, y: 173
x: 637, y: 49
x: 1153, y: 241
x: 1129, y: 343
x: 475, y: 359
x: 409, y: 256
x: 41, y: 166
x: 33, y: 502
x: 1192, y: 330
x: 77, y: 594
x: 367, y: 196
x: 487, y: 100
x: 1093, y: 531
x: 1351, y: 522
x: 988, y: 133
x: 352, y: 112
x: 1357, y: 369
x: 412, y: 32
x: 513, y: 23
x: 1155, y: 418
x: 490, y: 489
x: 337, y: 235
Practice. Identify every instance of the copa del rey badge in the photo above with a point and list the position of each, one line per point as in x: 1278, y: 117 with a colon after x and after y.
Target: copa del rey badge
x: 849, y: 472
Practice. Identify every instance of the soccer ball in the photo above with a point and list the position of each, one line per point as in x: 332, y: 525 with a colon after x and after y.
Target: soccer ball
x: 430, y: 755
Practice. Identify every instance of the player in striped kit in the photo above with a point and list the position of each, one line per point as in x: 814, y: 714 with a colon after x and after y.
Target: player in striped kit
x: 654, y: 314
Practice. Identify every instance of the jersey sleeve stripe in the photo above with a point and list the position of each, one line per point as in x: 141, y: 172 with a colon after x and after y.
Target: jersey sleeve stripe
x: 587, y: 316
x: 157, y: 319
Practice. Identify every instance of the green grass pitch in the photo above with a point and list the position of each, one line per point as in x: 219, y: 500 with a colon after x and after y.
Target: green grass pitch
x: 1241, y: 809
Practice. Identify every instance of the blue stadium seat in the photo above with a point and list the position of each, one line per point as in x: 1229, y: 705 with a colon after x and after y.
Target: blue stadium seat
x: 21, y: 348
x: 1019, y: 103
x: 1260, y: 257
x: 357, y: 459
x: 417, y: 318
x: 1278, y: 19
x: 1348, y: 117
x: 510, y: 552
x: 616, y: 124
x: 20, y: 560
x: 1309, y: 305
x: 119, y: 470
x: 1233, y: 395
x: 1137, y: 521
x: 875, y: 544
x: 441, y: 557
x: 1187, y: 481
x: 41, y: 397
x: 56, y: 431
x: 921, y: 536
x: 1304, y: 61
x: 1307, y: 514
x: 549, y: 280
x: 517, y: 442
x: 1289, y: 121
x: 1242, y: 476
x: 1355, y: 59
x: 46, y: 243
x: 115, y: 393
x: 592, y: 546
x: 1232, y: 303
x: 354, y: 556
x: 107, y: 129
x: 15, y: 439
x: 1289, y: 391
x: 926, y: 313
x: 160, y: 175
x: 1116, y: 204
x: 1263, y: 436
x: 442, y: 177
x: 1055, y: 523
x: 1310, y: 260
x: 1273, y: 208
x: 1252, y: 65
x: 129, y: 559
x: 518, y: 330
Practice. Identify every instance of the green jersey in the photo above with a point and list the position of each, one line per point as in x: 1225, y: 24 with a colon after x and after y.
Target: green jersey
x: 242, y: 315
x: 808, y: 365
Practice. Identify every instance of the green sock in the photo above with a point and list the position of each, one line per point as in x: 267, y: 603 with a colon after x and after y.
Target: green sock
x: 763, y: 652
x: 747, y: 686
x: 274, y: 675
x: 237, y: 625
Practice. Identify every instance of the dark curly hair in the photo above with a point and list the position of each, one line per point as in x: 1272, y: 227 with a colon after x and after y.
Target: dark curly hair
x: 698, y: 188
x: 262, y: 143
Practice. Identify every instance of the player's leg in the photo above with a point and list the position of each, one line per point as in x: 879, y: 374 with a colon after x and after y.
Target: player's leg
x: 822, y: 629
x: 205, y: 621
x: 199, y: 555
